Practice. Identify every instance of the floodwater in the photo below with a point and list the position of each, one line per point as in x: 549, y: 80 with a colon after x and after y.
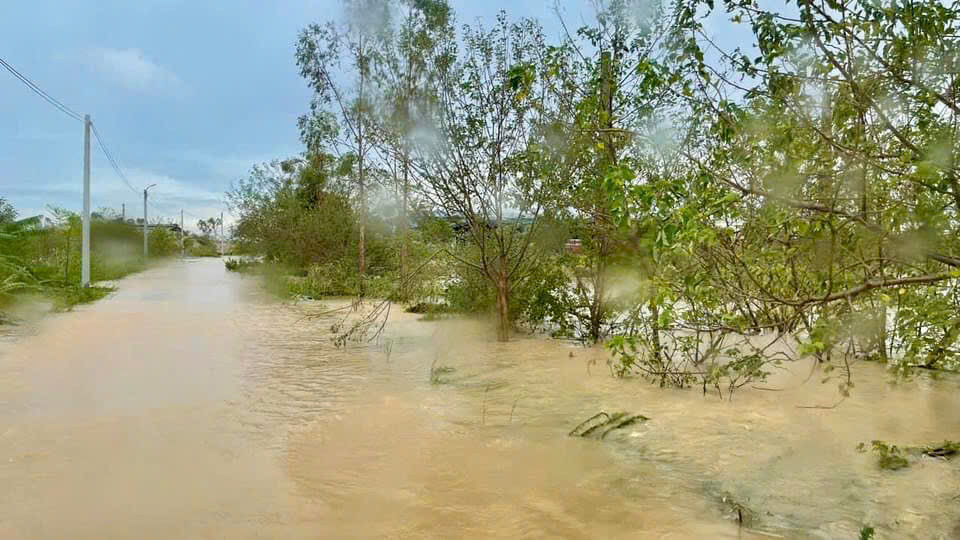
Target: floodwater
x: 191, y: 405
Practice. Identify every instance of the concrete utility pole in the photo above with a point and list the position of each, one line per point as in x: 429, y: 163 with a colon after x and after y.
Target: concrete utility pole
x: 145, y: 248
x: 85, y: 250
x: 123, y: 212
x: 183, y: 251
x: 222, y: 235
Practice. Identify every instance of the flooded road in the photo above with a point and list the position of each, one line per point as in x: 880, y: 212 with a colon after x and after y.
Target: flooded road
x: 191, y: 405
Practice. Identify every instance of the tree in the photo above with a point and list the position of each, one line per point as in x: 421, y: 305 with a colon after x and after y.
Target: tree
x: 358, y: 42
x: 7, y: 212
x: 209, y: 226
x: 405, y: 77
x: 821, y: 185
x: 480, y: 166
x: 615, y: 96
x: 294, y: 213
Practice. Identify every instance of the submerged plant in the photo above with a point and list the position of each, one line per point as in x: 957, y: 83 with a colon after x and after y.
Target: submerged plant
x: 946, y: 450
x: 889, y: 456
x: 437, y: 372
x: 601, y: 424
x: 892, y: 457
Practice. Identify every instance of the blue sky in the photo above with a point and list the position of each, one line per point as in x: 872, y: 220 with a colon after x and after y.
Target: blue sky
x: 187, y: 94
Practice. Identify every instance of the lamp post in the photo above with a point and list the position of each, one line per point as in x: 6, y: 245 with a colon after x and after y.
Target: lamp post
x: 145, y: 249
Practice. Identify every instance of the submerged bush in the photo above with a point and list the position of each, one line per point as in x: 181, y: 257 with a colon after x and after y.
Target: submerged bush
x: 889, y: 456
x: 337, y: 278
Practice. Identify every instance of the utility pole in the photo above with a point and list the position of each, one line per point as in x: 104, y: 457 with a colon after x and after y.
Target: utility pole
x: 183, y: 251
x: 123, y: 212
x: 222, y: 235
x: 85, y: 251
x: 145, y: 248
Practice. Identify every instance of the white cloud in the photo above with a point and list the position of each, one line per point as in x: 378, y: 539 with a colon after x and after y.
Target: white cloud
x: 132, y: 69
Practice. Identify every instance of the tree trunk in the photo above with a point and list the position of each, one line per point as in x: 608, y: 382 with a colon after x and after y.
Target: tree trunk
x: 655, y: 331
x: 503, y: 301
x: 363, y: 229
x: 503, y: 309
x: 404, y: 224
x: 598, y: 305
x: 363, y: 188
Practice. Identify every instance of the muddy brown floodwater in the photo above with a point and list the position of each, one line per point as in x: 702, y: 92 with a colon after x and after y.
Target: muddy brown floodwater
x: 191, y: 405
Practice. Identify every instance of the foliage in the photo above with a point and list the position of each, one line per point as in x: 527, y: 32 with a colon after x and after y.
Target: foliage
x: 546, y: 300
x: 732, y: 211
x: 892, y: 457
x: 210, y: 226
x: 357, y: 42
x: 200, y: 247
x: 677, y: 358
x: 488, y: 119
x: 844, y: 147
x: 162, y: 242
x: 289, y: 213
x: 7, y: 212
x: 612, y: 104
x: 335, y: 278
x: 240, y: 264
x: 44, y: 258
x: 889, y: 457
x: 66, y: 297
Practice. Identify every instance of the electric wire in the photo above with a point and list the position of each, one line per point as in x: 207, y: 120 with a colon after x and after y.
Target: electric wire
x: 39, y: 91
x: 77, y: 116
x: 113, y: 162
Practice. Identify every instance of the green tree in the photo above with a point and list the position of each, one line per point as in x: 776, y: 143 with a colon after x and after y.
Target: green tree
x: 210, y: 226
x: 7, y: 212
x: 291, y: 212
x: 478, y: 166
x: 405, y: 77
x: 322, y: 50
x: 820, y: 194
x: 615, y: 98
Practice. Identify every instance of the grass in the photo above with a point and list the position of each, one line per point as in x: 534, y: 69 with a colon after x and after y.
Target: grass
x: 201, y: 248
x: 241, y: 265
x: 64, y: 295
x: 66, y: 298
x: 43, y: 261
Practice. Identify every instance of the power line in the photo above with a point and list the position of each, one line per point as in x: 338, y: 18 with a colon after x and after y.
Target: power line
x: 151, y: 204
x: 77, y: 116
x: 39, y: 91
x: 113, y: 162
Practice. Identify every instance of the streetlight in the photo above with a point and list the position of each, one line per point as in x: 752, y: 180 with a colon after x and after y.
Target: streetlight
x: 145, y: 220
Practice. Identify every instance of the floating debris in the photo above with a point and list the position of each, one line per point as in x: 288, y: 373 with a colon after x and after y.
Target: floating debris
x: 601, y: 424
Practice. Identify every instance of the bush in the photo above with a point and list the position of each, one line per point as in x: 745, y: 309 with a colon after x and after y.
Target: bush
x: 200, y: 247
x: 545, y: 300
x: 241, y: 265
x: 337, y: 278
x: 46, y: 260
x: 163, y: 243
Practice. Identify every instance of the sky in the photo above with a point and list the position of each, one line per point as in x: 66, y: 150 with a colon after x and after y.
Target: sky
x: 187, y: 95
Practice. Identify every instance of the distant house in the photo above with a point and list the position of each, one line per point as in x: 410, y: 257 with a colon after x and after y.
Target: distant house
x: 138, y: 223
